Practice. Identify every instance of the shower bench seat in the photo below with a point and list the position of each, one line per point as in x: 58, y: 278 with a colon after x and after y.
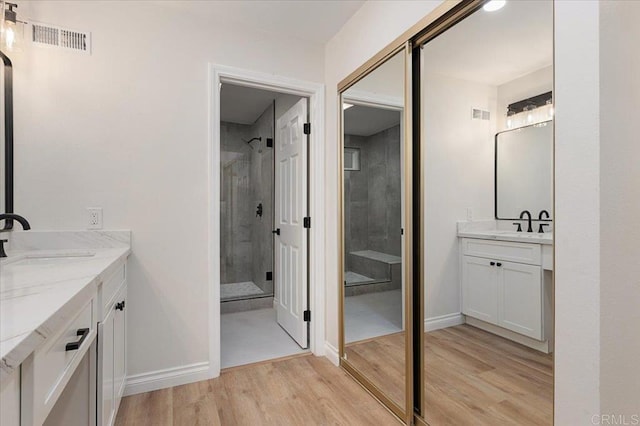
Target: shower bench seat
x: 382, y: 270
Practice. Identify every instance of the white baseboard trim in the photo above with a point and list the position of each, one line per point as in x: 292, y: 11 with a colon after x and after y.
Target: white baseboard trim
x: 332, y: 353
x: 543, y: 346
x: 443, y: 321
x: 160, y: 379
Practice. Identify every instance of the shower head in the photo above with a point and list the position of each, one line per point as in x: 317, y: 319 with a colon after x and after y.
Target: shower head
x: 253, y: 139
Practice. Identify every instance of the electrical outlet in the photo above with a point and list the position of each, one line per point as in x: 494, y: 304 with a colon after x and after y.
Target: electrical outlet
x: 469, y: 215
x: 94, y: 218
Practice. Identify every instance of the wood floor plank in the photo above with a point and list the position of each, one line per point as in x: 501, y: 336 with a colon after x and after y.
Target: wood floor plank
x: 473, y: 378
x: 298, y: 391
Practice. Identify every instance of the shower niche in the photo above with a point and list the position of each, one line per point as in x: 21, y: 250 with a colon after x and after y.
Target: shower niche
x: 246, y: 211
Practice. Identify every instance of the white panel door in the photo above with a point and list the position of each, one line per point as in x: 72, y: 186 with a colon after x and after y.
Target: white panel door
x: 290, y: 210
x: 521, y: 298
x: 480, y: 289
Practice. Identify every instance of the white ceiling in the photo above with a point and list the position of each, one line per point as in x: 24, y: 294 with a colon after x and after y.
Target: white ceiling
x: 495, y: 47
x: 243, y: 105
x: 316, y: 21
x: 366, y: 121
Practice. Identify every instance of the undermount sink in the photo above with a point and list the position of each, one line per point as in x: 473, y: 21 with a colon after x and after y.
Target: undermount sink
x: 49, y: 259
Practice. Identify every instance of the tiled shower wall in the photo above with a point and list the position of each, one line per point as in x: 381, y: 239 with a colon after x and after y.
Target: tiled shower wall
x: 247, y: 180
x: 372, y: 195
x: 235, y: 204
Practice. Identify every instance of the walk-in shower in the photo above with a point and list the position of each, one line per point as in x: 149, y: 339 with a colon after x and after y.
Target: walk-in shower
x: 246, y: 213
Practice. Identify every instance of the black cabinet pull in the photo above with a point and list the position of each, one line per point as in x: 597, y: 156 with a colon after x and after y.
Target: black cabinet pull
x: 499, y: 264
x: 73, y: 346
x: 492, y: 263
x: 120, y: 306
x: 277, y: 231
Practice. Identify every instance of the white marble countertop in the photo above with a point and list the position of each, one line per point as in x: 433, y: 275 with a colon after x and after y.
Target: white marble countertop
x: 38, y: 288
x: 490, y: 230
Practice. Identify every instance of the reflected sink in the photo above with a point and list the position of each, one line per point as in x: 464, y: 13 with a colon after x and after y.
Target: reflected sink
x: 50, y: 259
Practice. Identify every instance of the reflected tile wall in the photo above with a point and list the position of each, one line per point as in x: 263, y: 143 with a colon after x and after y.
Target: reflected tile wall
x: 373, y: 203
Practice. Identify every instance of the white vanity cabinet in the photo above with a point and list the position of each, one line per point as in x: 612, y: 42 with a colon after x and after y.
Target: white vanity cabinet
x: 48, y: 375
x: 10, y: 400
x: 112, y: 341
x: 502, y: 284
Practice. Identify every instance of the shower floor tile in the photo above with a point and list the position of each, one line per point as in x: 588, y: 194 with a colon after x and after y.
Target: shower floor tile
x: 253, y: 336
x: 233, y: 291
x: 372, y: 315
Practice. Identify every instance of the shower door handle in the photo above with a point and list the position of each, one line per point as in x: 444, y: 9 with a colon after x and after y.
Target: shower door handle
x: 277, y: 231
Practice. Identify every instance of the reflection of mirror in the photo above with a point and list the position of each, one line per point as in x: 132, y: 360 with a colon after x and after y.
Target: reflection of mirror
x: 488, y: 306
x: 373, y: 304
x: 524, y: 175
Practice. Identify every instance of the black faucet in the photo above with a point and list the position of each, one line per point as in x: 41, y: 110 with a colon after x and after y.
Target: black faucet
x: 10, y: 217
x: 542, y: 225
x: 526, y: 212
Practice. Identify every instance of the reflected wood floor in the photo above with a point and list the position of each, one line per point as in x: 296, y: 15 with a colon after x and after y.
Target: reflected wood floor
x: 381, y: 359
x: 303, y: 390
x: 472, y: 377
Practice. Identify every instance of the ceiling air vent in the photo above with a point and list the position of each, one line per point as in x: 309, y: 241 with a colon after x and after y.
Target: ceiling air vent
x: 479, y: 114
x: 47, y: 35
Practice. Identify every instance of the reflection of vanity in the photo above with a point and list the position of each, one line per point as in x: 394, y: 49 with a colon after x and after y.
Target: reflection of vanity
x: 506, y: 274
x: 506, y: 282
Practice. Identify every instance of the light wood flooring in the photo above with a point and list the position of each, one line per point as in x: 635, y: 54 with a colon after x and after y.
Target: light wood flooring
x: 304, y: 390
x: 471, y: 377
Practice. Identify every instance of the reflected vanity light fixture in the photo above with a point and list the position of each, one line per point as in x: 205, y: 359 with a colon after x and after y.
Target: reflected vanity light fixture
x: 494, y: 5
x: 11, y: 29
x: 532, y: 111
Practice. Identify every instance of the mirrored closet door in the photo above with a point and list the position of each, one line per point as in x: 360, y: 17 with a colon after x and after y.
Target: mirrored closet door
x: 486, y: 111
x: 374, y: 289
x: 447, y: 307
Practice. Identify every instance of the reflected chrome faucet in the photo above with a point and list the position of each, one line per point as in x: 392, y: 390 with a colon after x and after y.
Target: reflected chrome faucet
x: 526, y: 212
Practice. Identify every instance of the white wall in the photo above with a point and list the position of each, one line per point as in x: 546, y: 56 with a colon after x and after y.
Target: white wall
x: 577, y: 213
x: 370, y: 29
x: 458, y: 176
x: 620, y: 209
x: 127, y: 129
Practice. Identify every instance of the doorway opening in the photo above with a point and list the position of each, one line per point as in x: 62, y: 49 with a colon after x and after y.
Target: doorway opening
x: 264, y: 293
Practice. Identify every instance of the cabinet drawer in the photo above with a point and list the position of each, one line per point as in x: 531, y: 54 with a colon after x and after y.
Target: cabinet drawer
x: 110, y: 287
x: 49, y: 370
x: 503, y: 250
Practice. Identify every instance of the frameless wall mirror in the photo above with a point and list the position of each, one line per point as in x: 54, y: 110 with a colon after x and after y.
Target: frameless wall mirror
x: 374, y: 344
x: 524, y: 176
x: 487, y: 348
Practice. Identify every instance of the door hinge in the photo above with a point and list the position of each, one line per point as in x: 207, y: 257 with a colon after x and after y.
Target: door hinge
x: 269, y: 143
x: 269, y: 276
x: 307, y: 128
x: 307, y: 316
x: 306, y: 222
